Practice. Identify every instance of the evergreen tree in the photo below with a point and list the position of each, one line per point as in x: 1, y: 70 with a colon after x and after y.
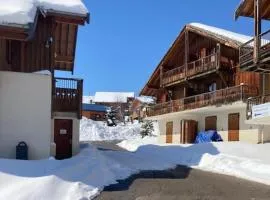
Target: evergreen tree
x: 147, y: 128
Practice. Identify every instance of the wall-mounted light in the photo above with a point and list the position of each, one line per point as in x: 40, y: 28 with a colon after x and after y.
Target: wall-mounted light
x: 49, y: 42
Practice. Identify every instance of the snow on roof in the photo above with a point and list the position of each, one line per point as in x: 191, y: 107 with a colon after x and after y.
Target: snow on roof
x: 237, y: 37
x: 146, y: 99
x: 88, y: 99
x: 113, y: 97
x: 22, y: 12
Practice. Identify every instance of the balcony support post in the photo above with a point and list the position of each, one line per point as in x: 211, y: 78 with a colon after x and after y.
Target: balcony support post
x: 186, y: 51
x: 257, y: 28
x: 161, y: 76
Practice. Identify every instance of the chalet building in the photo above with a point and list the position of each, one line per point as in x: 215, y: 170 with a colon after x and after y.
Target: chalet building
x: 120, y: 101
x: 198, y: 86
x: 40, y: 109
x: 255, y: 57
x: 139, y: 107
x: 94, y: 111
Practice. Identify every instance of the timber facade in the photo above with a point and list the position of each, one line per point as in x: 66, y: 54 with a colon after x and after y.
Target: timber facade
x: 45, y: 110
x: 254, y: 55
x: 199, y: 86
x: 208, y: 74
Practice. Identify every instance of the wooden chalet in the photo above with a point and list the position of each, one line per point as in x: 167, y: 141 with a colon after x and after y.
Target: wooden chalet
x: 254, y: 55
x: 38, y: 36
x: 200, y: 69
x: 49, y: 43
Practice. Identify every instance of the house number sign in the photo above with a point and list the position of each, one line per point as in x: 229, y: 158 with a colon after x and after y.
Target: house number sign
x: 63, y: 131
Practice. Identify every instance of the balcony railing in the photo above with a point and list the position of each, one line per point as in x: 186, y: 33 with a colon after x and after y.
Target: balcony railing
x: 67, y: 95
x: 223, y: 96
x: 246, y: 52
x: 256, y: 101
x: 194, y: 68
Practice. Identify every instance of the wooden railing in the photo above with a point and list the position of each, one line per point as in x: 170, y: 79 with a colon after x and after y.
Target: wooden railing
x: 67, y: 95
x: 191, y: 69
x: 246, y: 52
x: 252, y: 101
x: 223, y: 96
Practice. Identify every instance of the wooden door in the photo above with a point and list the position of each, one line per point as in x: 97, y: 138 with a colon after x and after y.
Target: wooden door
x: 169, y: 132
x: 211, y: 123
x: 63, y: 138
x: 233, y: 127
x: 188, y: 131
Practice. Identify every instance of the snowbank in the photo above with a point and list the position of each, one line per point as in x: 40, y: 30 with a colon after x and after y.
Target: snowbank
x: 97, y: 131
x: 85, y: 175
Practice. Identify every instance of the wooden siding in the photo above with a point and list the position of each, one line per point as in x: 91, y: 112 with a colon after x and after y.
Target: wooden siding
x: 246, y: 9
x: 248, y: 78
x: 223, y: 96
x: 51, y: 48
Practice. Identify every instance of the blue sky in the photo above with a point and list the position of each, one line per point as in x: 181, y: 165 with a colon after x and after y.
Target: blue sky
x: 126, y: 39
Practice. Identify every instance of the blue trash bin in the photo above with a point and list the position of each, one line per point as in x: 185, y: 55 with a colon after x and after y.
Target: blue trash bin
x: 22, y: 151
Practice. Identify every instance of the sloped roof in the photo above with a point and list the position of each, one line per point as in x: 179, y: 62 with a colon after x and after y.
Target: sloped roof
x: 232, y: 39
x: 113, y: 97
x: 221, y: 33
x: 21, y: 13
x: 94, y: 107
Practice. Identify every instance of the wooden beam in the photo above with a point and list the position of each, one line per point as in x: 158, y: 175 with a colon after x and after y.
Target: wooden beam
x: 161, y: 76
x: 257, y: 28
x: 186, y: 50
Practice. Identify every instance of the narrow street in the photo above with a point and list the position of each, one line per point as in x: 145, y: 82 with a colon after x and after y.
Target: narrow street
x: 181, y: 183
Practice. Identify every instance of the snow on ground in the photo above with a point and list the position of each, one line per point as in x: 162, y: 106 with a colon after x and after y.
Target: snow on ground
x: 85, y: 175
x: 97, y: 131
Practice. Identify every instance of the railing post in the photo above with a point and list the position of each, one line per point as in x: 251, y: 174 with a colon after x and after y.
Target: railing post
x: 218, y: 56
x: 241, y: 91
x: 257, y: 27
x: 80, y: 89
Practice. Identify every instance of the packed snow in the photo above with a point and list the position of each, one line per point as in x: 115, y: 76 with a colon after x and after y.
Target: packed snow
x: 23, y: 12
x: 223, y: 33
x: 113, y: 97
x: 85, y: 175
x: 97, y: 131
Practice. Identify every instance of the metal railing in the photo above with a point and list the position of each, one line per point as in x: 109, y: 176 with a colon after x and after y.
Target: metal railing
x: 223, y: 96
x: 256, y: 101
x: 67, y: 95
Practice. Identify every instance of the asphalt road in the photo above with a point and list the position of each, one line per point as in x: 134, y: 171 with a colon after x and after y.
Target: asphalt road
x: 183, y: 183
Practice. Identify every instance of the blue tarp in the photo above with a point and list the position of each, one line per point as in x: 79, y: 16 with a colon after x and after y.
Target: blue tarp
x: 208, y: 136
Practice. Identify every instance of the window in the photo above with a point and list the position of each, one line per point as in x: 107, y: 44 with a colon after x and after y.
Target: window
x: 212, y: 87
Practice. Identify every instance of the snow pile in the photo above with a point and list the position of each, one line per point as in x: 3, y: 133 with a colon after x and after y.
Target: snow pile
x: 223, y: 33
x: 88, y: 99
x: 85, y: 175
x: 23, y: 12
x: 135, y: 143
x: 113, y: 97
x: 97, y: 131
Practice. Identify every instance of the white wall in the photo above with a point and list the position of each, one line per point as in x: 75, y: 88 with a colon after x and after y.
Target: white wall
x: 25, y: 113
x: 247, y: 133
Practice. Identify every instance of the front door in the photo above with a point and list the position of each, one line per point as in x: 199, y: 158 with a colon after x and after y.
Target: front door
x: 63, y: 138
x: 169, y: 132
x: 233, y: 127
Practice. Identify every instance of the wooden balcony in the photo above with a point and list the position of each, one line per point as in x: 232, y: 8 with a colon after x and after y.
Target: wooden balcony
x: 67, y: 95
x: 191, y: 70
x: 223, y: 96
x: 247, y: 55
x: 256, y: 101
